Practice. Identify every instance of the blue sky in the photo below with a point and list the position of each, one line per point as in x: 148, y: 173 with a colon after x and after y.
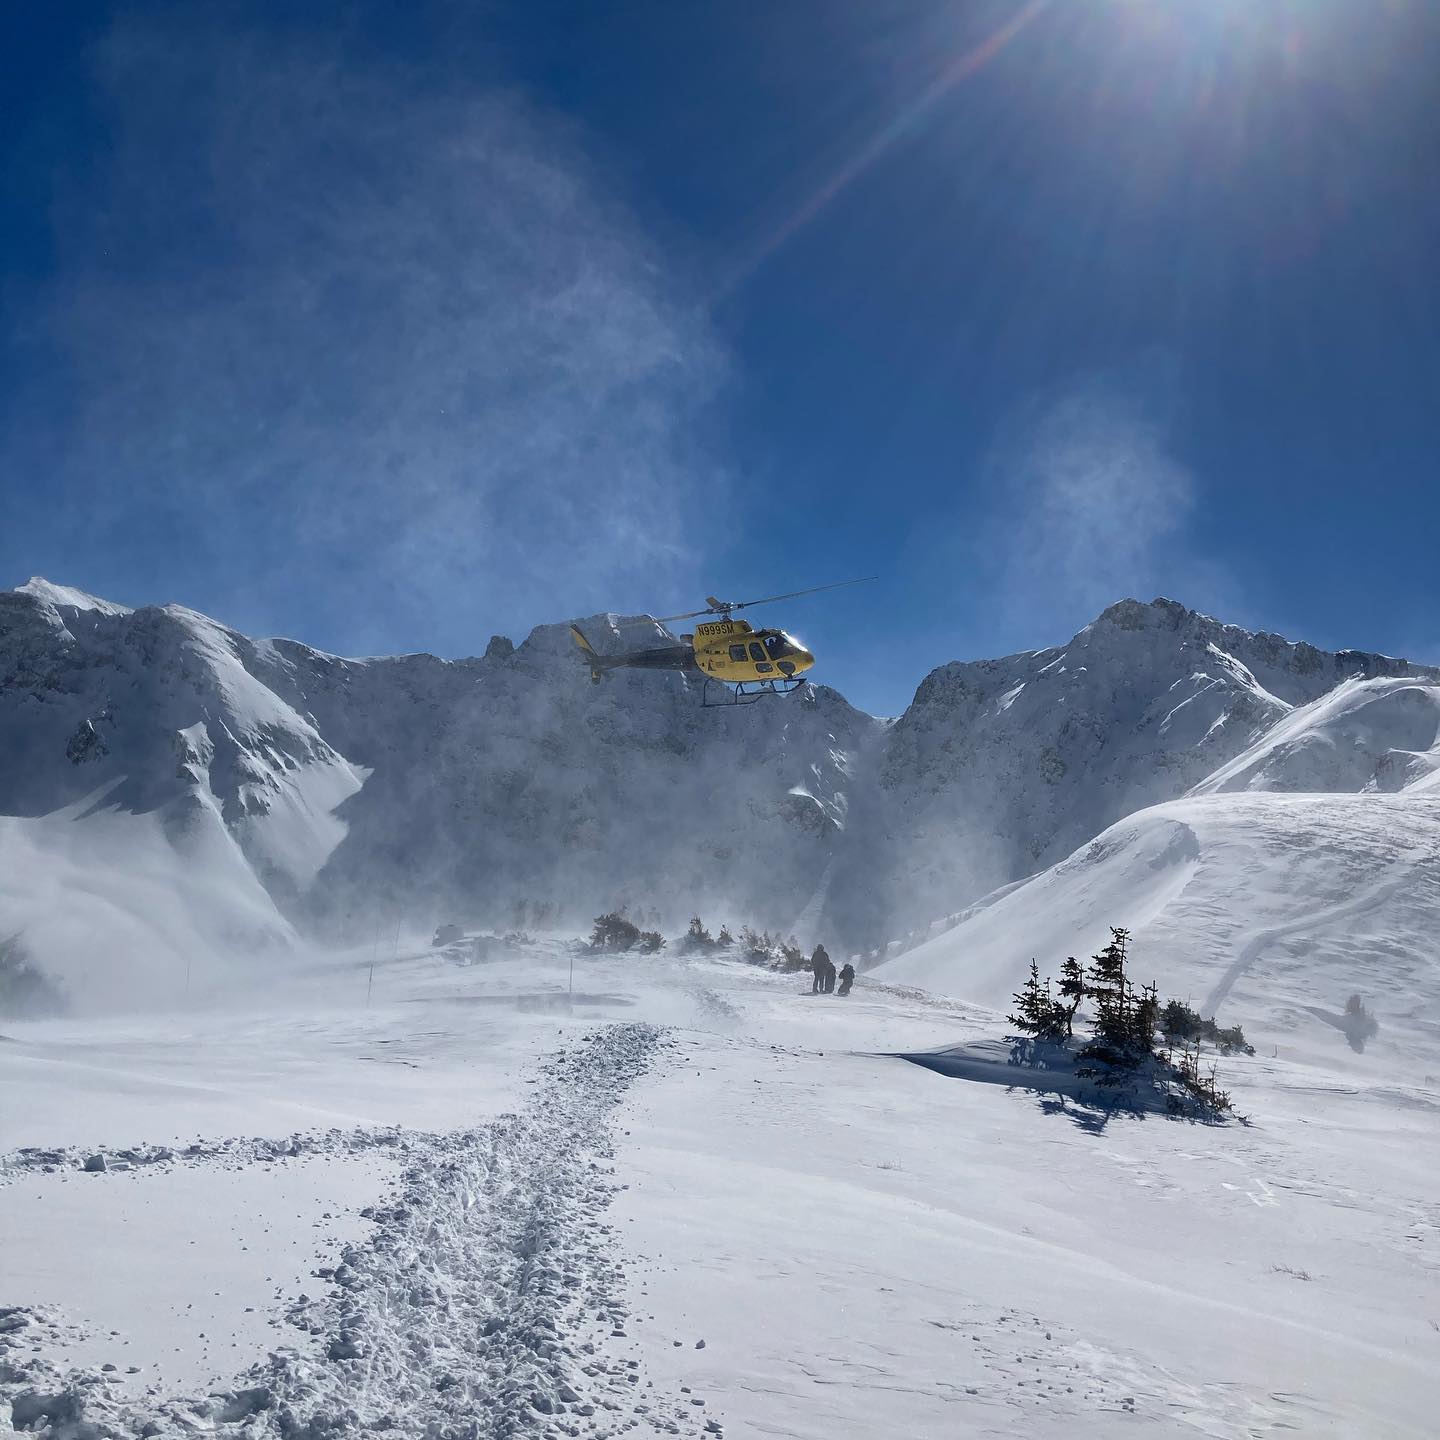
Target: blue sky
x: 393, y: 330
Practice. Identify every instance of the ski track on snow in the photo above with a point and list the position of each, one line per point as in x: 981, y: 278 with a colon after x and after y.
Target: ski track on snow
x: 472, y: 1313
x: 1252, y: 949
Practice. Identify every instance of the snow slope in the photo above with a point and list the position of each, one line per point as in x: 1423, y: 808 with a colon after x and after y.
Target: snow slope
x: 160, y: 804
x: 1268, y: 910
x: 1364, y: 735
x: 689, y: 1199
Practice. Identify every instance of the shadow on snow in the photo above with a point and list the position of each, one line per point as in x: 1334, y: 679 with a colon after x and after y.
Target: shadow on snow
x: 1086, y: 1102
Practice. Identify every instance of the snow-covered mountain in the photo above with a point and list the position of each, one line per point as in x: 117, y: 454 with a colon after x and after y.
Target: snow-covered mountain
x: 261, y: 785
x: 173, y: 793
x: 1365, y: 735
x: 1001, y: 767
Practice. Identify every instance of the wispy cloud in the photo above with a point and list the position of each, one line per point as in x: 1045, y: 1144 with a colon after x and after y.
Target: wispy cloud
x: 317, y: 319
x: 1089, y: 503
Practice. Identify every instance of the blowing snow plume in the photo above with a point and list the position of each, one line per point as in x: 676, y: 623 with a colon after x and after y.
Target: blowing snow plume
x: 424, y: 345
x: 1092, y: 503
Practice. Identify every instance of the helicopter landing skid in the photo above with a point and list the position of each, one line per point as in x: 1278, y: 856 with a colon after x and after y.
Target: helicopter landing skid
x: 746, y: 692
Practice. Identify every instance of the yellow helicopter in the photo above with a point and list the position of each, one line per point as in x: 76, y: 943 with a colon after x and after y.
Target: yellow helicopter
x: 725, y: 653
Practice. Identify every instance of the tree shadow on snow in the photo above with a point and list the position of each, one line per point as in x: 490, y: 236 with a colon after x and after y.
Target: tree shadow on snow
x: 1355, y: 1023
x: 1088, y: 1105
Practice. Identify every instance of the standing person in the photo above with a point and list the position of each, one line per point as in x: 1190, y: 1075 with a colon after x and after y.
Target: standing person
x: 847, y: 979
x: 829, y: 976
x: 819, y: 962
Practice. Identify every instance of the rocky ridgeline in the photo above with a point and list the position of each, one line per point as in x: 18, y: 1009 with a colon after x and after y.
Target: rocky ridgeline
x: 354, y: 791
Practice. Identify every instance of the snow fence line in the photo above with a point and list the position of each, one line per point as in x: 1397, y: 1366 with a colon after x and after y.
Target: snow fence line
x: 472, y: 1313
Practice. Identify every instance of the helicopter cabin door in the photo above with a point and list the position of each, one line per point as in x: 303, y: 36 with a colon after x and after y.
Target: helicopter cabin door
x: 722, y: 650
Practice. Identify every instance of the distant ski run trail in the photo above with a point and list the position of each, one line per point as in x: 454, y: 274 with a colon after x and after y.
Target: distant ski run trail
x: 1253, y: 948
x: 472, y: 1312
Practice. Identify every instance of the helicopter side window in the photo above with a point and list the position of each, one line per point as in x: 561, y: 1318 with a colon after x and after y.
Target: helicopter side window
x: 757, y: 651
x: 737, y: 652
x: 775, y: 644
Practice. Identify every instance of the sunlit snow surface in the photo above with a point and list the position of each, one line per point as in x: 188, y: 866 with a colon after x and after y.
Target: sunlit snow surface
x: 699, y: 1151
x: 1268, y: 910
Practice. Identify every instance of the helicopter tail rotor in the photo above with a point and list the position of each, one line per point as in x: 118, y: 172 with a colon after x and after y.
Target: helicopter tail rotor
x: 597, y: 667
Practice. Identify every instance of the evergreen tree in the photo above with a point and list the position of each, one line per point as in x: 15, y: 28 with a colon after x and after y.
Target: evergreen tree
x: 613, y: 933
x: 754, y: 945
x: 1178, y: 1021
x: 1144, y: 1015
x: 791, y: 955
x: 1072, y: 991
x: 1029, y: 1003
x: 1122, y: 1031
x: 1038, y: 1012
x: 697, y: 937
x: 1109, y: 985
x: 1230, y: 1039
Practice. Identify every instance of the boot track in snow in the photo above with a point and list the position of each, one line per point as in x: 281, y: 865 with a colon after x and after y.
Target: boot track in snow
x: 473, y: 1311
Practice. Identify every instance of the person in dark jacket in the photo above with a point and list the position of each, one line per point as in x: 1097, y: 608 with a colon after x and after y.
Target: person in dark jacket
x: 847, y: 979
x: 819, y: 963
x: 829, y: 976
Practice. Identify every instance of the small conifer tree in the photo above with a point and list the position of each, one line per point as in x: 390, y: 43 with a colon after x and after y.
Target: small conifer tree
x: 1109, y: 985
x: 1178, y: 1021
x: 1028, y: 1001
x: 1072, y: 991
x: 613, y: 933
x: 697, y: 937
x: 1143, y: 1017
x: 1037, y: 1012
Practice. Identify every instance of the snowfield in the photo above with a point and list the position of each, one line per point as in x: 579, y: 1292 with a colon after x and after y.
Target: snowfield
x: 691, y: 1198
x: 273, y: 1165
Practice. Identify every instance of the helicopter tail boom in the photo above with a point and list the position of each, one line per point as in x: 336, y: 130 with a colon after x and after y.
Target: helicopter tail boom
x: 665, y: 657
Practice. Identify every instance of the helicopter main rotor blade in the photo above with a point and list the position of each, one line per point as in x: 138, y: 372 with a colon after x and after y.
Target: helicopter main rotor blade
x: 719, y: 607
x: 792, y: 594
x: 689, y: 615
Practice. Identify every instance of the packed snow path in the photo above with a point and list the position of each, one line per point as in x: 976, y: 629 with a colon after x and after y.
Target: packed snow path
x: 465, y: 1314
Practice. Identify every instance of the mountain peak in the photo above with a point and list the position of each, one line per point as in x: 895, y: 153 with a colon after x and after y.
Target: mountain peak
x: 1160, y: 613
x: 66, y: 597
x: 1262, y: 648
